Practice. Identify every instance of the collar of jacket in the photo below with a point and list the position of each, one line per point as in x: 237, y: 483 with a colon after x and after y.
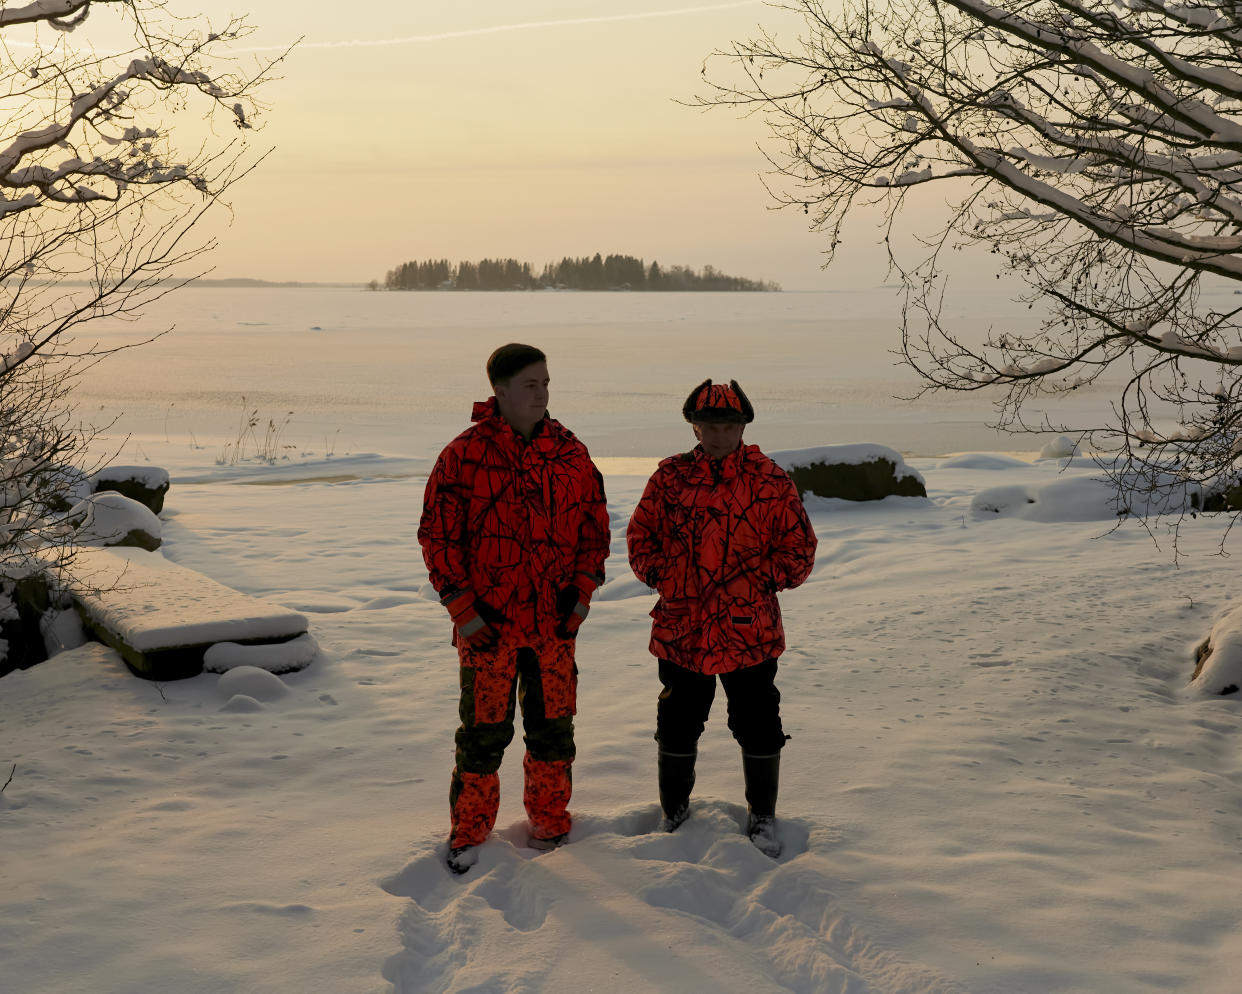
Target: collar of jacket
x: 484, y: 409
x: 487, y: 412
x: 728, y: 467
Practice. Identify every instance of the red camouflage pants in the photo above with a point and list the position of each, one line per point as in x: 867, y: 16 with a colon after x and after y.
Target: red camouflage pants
x: 546, y: 683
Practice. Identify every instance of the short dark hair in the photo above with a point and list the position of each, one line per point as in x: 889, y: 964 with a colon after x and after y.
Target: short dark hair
x: 508, y: 360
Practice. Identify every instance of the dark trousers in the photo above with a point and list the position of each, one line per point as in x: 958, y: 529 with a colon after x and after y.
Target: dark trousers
x: 754, y: 706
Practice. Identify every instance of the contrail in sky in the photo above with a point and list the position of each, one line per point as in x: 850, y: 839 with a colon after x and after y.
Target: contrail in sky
x: 499, y: 28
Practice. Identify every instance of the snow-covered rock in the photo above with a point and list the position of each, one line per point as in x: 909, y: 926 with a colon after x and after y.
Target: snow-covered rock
x: 864, y: 471
x: 109, y: 518
x: 145, y: 484
x: 1218, y: 659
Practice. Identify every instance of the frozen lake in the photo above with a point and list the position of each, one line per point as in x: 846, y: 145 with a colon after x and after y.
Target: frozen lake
x: 353, y: 369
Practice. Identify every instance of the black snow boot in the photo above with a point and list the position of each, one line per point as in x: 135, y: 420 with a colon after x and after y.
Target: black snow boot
x: 676, y: 775
x: 462, y: 858
x: 762, y: 775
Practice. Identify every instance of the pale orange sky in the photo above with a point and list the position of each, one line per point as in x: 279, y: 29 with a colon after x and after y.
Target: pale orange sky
x: 529, y: 130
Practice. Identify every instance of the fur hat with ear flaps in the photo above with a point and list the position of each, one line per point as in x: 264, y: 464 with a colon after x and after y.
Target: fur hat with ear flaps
x: 716, y: 402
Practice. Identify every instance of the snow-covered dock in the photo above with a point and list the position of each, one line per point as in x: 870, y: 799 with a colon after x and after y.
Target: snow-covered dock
x: 162, y: 617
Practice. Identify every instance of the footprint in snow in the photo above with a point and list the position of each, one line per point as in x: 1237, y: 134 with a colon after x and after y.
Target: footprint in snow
x: 496, y: 879
x: 712, y: 828
x: 610, y: 900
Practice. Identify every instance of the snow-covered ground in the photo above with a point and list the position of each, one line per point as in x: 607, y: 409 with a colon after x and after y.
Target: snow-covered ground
x: 999, y: 780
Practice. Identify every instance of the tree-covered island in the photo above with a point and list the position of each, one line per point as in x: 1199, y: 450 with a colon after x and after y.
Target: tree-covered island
x: 613, y: 272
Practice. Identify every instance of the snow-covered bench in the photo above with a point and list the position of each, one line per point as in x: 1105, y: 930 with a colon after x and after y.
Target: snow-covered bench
x: 162, y: 617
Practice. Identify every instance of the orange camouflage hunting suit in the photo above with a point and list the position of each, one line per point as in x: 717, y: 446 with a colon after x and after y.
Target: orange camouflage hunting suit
x: 515, y: 523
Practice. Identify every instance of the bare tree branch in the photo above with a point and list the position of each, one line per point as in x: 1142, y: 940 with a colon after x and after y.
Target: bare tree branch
x: 100, y: 207
x: 1094, y: 148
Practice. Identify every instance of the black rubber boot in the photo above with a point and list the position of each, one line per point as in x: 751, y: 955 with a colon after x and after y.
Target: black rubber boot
x: 676, y: 776
x: 762, y: 775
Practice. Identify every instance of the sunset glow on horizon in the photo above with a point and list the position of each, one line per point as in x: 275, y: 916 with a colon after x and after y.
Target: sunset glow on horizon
x: 532, y: 131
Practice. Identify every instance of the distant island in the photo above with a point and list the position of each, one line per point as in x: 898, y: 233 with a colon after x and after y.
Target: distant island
x: 613, y: 272
x: 246, y: 281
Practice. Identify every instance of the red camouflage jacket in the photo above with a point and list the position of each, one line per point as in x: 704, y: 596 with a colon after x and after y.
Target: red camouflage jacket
x: 717, y: 540
x: 514, y: 521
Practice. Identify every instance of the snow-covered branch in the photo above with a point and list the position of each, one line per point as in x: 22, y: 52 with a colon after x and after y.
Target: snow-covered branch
x: 100, y: 207
x: 1092, y: 147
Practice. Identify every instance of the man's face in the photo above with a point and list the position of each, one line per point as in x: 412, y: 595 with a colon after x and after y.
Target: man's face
x: 718, y: 438
x: 523, y: 401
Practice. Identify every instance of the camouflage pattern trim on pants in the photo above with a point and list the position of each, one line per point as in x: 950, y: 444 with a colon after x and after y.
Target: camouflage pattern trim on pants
x: 543, y: 680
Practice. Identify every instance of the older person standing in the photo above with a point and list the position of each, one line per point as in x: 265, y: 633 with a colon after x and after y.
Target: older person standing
x: 718, y: 532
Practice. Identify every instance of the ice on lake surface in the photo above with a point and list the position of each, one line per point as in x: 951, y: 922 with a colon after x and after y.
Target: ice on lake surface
x: 343, y: 364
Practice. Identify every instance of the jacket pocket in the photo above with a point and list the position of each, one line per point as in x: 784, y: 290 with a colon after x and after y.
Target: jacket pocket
x: 751, y: 625
x: 674, y: 619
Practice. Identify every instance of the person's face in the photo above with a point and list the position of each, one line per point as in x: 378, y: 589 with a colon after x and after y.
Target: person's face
x: 523, y: 401
x: 718, y: 438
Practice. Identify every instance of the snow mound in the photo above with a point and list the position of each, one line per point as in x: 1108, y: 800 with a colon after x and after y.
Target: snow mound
x: 243, y: 704
x: 982, y: 460
x: 1219, y: 659
x: 1060, y: 447
x: 252, y: 682
x: 1080, y: 498
x: 623, y: 588
x: 272, y: 657
x: 108, y: 517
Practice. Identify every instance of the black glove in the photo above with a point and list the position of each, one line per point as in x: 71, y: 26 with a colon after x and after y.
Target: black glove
x: 572, y: 605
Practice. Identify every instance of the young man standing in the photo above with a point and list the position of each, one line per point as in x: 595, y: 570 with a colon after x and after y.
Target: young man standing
x: 514, y: 532
x: 718, y: 531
